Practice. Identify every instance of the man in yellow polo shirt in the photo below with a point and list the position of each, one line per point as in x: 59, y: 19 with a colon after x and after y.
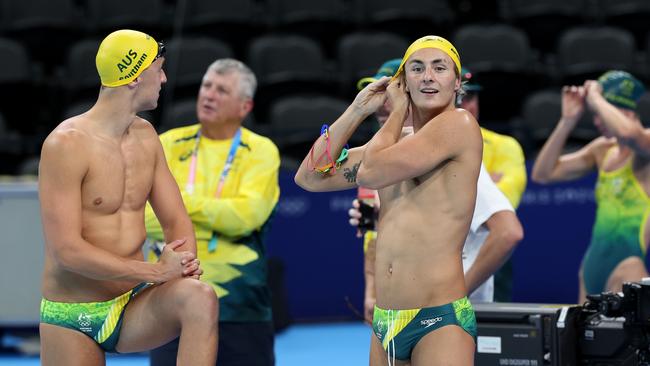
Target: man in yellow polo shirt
x: 228, y: 177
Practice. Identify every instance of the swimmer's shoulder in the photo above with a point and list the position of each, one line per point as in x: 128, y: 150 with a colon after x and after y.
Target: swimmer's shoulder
x: 68, y: 135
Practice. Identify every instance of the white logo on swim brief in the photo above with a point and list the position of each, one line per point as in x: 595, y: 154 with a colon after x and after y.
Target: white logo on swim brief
x: 429, y: 322
x: 84, y: 323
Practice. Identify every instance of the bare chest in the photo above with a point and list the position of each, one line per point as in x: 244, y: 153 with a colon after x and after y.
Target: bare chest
x: 119, y: 178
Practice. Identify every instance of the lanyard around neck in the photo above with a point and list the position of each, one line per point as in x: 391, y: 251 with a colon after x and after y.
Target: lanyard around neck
x: 189, y: 187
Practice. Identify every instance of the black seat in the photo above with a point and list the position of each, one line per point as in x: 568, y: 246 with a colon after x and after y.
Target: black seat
x: 18, y: 88
x: 500, y: 47
x: 278, y: 59
x: 80, y: 78
x: 29, y: 166
x: 631, y: 15
x: 540, y: 114
x: 178, y: 114
x: 586, y: 52
x: 359, y: 55
x: 187, y: 60
x: 143, y: 15
x: 231, y: 21
x: 545, y: 20
x: 504, y: 63
x: 16, y: 63
x: 285, y: 64
x: 11, y: 148
x: 322, y: 20
x: 296, y: 121
x: 410, y: 18
x: 10, y: 141
x: 45, y: 27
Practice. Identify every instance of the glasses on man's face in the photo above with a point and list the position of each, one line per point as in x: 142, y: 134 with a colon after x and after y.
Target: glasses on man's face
x: 161, y: 51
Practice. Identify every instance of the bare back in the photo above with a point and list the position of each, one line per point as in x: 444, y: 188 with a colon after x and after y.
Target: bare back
x: 422, y: 226
x: 114, y: 187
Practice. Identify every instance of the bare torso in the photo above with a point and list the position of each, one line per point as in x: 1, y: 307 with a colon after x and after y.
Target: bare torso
x: 421, y: 231
x: 114, y: 191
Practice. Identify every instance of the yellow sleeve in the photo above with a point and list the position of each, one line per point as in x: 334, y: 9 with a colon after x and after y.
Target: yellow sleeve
x: 509, y: 161
x: 242, y: 208
x: 152, y: 226
x: 154, y: 230
x: 249, y: 208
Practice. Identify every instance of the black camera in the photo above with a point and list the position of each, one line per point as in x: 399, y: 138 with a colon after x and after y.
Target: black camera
x: 608, y: 330
x: 614, y: 329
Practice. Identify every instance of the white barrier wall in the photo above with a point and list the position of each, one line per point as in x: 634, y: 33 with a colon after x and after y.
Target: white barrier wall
x: 21, y: 254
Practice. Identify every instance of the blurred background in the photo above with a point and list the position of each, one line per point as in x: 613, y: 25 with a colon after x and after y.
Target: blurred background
x: 308, y: 56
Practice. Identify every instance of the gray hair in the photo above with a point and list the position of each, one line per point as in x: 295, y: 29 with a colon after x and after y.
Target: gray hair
x: 247, y: 80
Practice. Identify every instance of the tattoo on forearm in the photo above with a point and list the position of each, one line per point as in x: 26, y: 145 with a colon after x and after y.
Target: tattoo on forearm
x: 351, y: 173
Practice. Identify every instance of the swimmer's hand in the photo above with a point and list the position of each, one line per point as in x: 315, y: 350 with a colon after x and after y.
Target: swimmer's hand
x: 355, y: 215
x: 174, y: 264
x: 193, y: 269
x: 573, y: 104
x: 371, y: 97
x: 397, y: 94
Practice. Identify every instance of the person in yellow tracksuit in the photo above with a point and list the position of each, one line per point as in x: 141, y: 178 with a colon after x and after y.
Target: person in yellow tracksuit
x: 228, y: 177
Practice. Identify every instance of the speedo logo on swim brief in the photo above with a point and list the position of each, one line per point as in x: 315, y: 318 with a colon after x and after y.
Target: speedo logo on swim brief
x: 128, y: 60
x: 429, y: 322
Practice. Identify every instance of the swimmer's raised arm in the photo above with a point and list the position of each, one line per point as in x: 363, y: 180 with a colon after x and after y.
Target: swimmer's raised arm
x: 329, y: 146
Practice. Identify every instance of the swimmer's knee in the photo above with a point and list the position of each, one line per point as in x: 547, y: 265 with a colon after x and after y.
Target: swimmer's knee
x: 628, y: 270
x: 631, y: 267
x: 193, y: 295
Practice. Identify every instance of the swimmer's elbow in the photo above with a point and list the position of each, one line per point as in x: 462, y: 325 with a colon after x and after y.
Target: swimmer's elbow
x: 512, y: 236
x: 539, y: 178
x: 300, y: 181
x: 66, y: 257
x: 544, y: 175
x: 515, y: 236
x: 304, y: 182
x: 310, y: 182
x: 366, y: 178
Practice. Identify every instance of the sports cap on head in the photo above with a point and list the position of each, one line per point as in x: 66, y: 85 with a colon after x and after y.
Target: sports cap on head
x: 431, y: 42
x: 621, y: 89
x: 388, y: 68
x: 124, y: 54
x: 469, y: 81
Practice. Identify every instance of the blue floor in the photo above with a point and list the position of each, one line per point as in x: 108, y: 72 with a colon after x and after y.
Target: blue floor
x: 299, y: 345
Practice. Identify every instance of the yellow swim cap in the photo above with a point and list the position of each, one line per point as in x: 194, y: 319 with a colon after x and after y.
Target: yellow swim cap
x: 123, y: 55
x: 431, y: 42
